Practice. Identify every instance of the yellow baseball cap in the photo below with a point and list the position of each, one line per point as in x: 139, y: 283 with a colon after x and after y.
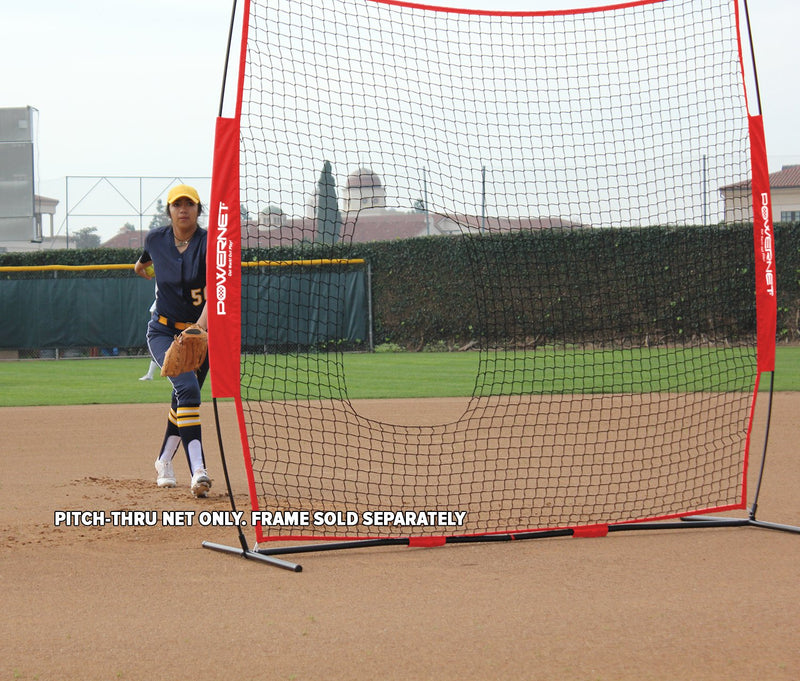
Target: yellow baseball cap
x: 183, y: 191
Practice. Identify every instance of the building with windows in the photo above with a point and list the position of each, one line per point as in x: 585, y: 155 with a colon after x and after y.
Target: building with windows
x: 363, y: 190
x: 785, y: 190
x: 785, y: 186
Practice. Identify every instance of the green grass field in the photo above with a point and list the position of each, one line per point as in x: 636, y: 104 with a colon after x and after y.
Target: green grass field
x: 379, y: 375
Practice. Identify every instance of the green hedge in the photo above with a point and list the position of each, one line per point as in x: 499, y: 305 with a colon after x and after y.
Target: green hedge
x: 527, y: 288
x: 600, y: 286
x: 73, y: 257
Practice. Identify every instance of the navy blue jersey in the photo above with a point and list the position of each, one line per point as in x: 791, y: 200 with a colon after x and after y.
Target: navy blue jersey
x: 180, y: 277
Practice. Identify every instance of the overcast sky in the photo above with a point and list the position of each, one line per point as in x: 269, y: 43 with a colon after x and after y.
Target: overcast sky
x: 132, y: 87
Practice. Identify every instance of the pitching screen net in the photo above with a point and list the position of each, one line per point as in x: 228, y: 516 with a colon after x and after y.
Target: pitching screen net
x: 598, y: 167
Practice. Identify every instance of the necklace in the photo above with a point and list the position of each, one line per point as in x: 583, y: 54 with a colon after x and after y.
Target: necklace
x: 181, y: 242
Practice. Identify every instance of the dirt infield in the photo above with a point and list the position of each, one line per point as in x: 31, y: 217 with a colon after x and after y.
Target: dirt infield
x: 111, y: 602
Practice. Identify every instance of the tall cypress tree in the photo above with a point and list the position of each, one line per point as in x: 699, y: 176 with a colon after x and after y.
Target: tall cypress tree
x: 329, y: 219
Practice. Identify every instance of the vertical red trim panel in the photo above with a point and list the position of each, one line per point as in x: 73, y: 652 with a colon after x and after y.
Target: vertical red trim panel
x: 224, y: 264
x: 764, y: 243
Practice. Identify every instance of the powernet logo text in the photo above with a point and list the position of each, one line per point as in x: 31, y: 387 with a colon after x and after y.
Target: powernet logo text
x: 223, y: 260
x: 767, y: 245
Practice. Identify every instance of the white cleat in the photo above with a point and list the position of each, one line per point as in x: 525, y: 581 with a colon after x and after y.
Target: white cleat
x: 201, y: 483
x: 165, y: 476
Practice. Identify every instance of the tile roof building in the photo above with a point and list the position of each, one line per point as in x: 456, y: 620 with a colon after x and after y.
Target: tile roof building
x: 785, y: 189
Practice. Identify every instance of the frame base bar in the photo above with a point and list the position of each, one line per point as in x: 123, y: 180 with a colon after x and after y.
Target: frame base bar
x: 775, y: 526
x: 333, y: 546
x: 405, y: 541
x: 254, y: 555
x: 704, y: 521
x: 681, y: 524
x: 266, y: 555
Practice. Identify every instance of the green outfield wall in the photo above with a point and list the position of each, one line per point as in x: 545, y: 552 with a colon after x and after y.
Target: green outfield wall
x: 307, y: 309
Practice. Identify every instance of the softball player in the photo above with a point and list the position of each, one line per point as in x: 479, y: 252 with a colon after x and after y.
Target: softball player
x: 177, y: 254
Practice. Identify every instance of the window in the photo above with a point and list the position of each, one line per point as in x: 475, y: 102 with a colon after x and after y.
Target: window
x: 37, y: 229
x: 790, y: 216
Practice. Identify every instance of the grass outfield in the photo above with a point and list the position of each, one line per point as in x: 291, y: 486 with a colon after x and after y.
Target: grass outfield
x: 380, y: 375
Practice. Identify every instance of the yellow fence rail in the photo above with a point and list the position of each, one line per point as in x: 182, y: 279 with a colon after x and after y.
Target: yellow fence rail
x: 129, y: 266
